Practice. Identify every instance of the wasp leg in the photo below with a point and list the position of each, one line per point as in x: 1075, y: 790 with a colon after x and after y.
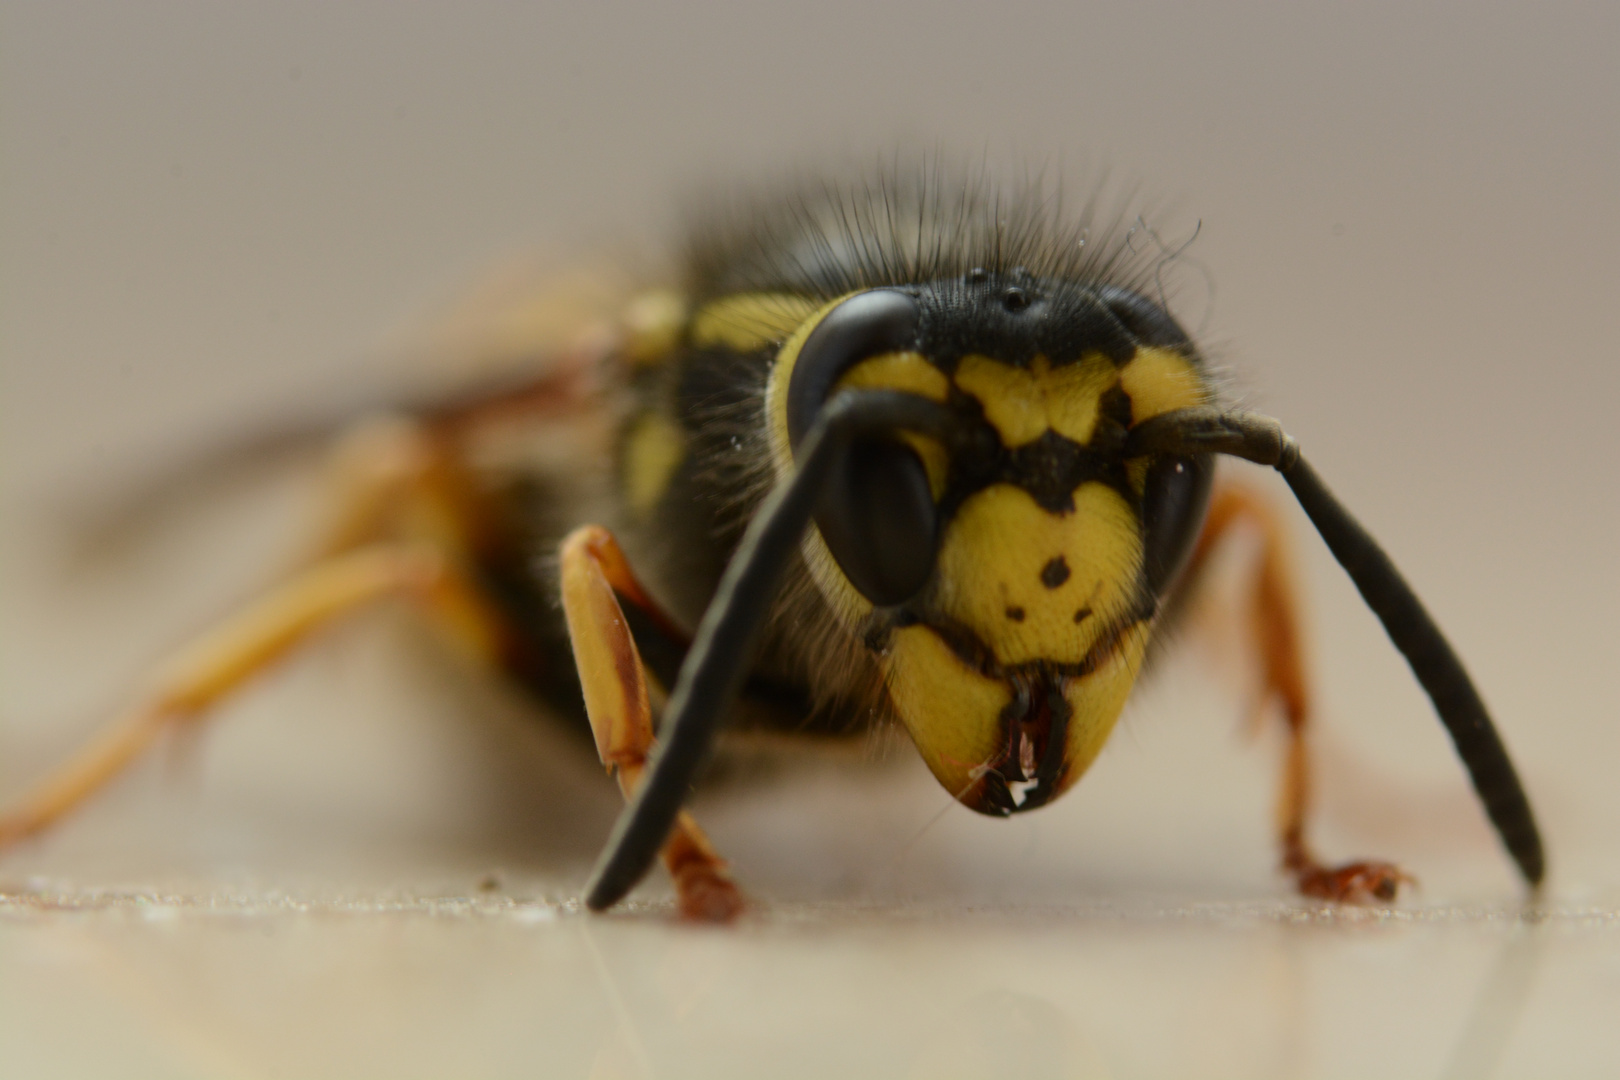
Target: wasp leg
x: 407, y: 525
x: 1278, y: 641
x: 227, y: 656
x: 615, y: 686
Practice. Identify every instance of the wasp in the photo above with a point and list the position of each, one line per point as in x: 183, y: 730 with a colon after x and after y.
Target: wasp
x: 909, y: 452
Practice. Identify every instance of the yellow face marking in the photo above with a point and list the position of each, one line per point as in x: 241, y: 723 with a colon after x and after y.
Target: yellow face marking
x: 950, y: 709
x: 653, y: 449
x: 1012, y: 398
x: 1160, y: 381
x: 1097, y: 699
x: 652, y: 326
x: 1022, y: 403
x: 1035, y: 585
x: 907, y: 371
x: 751, y: 321
x: 1136, y: 471
x: 912, y: 373
x: 953, y: 712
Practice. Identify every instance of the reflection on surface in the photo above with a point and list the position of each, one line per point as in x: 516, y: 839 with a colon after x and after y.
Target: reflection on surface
x: 492, y: 986
x: 1500, y: 1002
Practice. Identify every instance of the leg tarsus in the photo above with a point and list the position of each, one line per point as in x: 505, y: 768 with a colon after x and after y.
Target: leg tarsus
x: 91, y: 767
x: 1353, y: 883
x: 1366, y: 881
x: 704, y: 888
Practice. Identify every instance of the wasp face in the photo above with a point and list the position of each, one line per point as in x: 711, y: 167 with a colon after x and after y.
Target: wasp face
x: 1006, y: 576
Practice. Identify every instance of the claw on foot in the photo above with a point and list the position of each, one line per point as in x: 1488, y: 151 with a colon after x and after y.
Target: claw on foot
x: 703, y: 889
x: 1353, y: 883
x: 708, y: 895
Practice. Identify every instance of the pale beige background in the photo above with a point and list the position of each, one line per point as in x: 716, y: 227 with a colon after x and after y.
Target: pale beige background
x: 211, y: 215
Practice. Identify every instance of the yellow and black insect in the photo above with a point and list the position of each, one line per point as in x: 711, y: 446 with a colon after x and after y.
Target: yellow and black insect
x: 898, y: 452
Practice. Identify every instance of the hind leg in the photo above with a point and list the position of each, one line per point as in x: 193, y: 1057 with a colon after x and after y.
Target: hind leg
x: 223, y: 659
x: 409, y: 524
x: 615, y: 686
x: 1277, y: 637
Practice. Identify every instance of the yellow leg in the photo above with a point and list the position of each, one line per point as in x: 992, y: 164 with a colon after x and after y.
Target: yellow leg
x: 392, y: 477
x: 1277, y: 635
x: 233, y: 652
x: 615, y: 690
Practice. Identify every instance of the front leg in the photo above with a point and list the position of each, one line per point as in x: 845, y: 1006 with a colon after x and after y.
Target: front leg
x: 1276, y: 630
x: 615, y: 689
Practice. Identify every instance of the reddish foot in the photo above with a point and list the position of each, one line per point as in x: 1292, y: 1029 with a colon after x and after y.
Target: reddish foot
x: 702, y: 886
x: 1352, y: 883
x: 706, y: 894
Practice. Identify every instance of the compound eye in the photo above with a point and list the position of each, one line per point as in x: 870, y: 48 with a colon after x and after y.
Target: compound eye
x: 1147, y: 322
x: 877, y: 513
x: 1173, y: 503
x: 879, y: 521
x: 867, y: 324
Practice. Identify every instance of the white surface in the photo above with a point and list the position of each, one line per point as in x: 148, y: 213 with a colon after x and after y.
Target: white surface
x: 212, y: 216
x: 482, y: 988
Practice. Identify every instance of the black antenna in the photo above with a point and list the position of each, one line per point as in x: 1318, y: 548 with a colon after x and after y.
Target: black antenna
x: 722, y: 648
x: 1262, y: 440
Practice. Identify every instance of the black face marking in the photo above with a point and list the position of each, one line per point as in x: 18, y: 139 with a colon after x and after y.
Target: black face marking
x: 1051, y: 467
x: 1014, y: 317
x: 1082, y: 615
x: 1055, y: 572
x: 1016, y: 614
x: 1114, y: 417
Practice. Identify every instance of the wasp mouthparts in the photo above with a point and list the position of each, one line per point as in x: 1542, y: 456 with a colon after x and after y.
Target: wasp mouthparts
x: 1032, y: 765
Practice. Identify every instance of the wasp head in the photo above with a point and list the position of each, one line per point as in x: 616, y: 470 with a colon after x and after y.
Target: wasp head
x: 1007, y: 571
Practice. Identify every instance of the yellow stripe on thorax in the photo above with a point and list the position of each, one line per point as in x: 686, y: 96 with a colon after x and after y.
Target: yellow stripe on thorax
x: 652, y: 326
x: 749, y: 322
x: 654, y: 447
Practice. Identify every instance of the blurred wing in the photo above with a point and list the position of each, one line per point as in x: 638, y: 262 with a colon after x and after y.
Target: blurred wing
x: 525, y: 339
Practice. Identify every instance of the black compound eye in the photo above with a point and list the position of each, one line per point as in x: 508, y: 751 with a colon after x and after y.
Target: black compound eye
x: 1147, y: 322
x: 867, y: 324
x: 877, y: 513
x: 878, y: 519
x: 1173, y: 504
